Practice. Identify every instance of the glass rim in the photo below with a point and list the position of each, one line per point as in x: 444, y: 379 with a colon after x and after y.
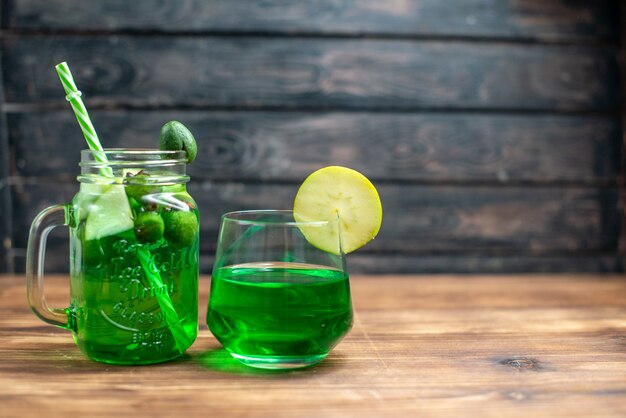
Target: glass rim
x: 238, y: 217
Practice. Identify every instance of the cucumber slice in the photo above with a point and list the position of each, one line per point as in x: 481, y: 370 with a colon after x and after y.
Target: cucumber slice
x: 333, y: 192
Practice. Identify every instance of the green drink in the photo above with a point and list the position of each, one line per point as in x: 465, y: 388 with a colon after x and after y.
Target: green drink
x: 277, y: 302
x: 279, y: 311
x: 280, y: 297
x: 133, y: 258
x: 115, y: 305
x: 133, y: 247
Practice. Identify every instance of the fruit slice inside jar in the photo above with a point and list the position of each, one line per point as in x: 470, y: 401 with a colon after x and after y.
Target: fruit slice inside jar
x: 110, y: 214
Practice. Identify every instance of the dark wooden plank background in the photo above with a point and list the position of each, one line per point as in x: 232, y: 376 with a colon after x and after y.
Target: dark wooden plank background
x: 491, y: 128
x: 422, y: 147
x: 6, y: 259
x: 528, y: 19
x: 313, y: 73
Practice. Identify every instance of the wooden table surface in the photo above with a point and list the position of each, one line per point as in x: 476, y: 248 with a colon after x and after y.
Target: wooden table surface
x: 520, y: 346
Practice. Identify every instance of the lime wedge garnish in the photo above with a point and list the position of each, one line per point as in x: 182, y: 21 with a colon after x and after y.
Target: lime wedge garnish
x: 109, y: 215
x: 339, y: 192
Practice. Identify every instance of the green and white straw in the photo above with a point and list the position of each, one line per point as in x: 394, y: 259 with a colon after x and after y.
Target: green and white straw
x: 165, y: 303
x: 73, y: 95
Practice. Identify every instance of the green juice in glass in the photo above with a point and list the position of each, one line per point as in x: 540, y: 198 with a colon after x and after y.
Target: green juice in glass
x: 279, y: 310
x: 133, y: 270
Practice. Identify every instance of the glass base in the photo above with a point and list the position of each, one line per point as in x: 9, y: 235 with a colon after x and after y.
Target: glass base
x: 133, y: 362
x: 123, y: 358
x: 278, y: 362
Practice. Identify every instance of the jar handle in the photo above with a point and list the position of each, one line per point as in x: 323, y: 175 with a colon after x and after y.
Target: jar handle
x: 43, y: 223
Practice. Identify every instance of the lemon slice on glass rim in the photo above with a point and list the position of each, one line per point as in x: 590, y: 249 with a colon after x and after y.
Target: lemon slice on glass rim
x: 341, y: 193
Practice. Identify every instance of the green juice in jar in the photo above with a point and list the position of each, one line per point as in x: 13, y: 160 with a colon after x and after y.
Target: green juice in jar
x: 121, y: 313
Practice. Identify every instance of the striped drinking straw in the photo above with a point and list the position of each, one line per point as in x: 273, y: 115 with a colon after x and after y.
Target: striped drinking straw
x: 73, y: 95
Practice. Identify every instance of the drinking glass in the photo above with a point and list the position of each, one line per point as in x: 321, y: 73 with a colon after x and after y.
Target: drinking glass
x: 277, y: 301
x: 133, y: 257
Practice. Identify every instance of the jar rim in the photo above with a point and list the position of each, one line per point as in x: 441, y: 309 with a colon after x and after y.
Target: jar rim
x: 136, y: 152
x: 163, y: 165
x: 132, y: 150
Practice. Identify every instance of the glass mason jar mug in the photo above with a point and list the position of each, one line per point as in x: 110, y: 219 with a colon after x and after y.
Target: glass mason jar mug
x: 133, y: 257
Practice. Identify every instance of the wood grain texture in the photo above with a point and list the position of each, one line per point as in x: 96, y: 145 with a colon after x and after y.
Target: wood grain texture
x: 464, y: 262
x: 288, y: 146
x: 312, y: 73
x: 502, y: 346
x: 451, y: 262
x: 5, y: 231
x: 622, y: 60
x: 492, y: 127
x: 419, y: 220
x: 442, y: 262
x: 526, y: 19
x: 5, y: 192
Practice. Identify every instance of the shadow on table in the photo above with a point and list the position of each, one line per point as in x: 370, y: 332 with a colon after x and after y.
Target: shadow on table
x: 67, y: 358
x: 218, y: 359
